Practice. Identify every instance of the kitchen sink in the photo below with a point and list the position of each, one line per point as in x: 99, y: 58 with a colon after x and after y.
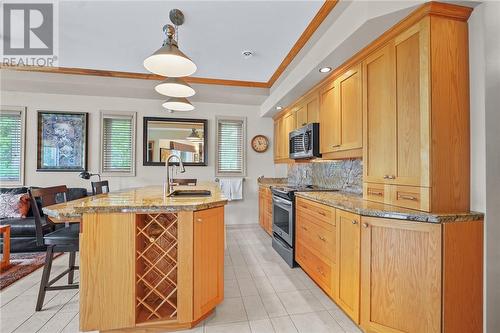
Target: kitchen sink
x: 190, y: 193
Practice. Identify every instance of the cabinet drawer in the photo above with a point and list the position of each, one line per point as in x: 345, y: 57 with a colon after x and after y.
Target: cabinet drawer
x: 411, y: 197
x: 316, y: 211
x: 319, y: 270
x: 318, y: 237
x: 375, y: 192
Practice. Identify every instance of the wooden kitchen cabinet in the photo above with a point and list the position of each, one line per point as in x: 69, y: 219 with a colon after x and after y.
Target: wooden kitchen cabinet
x: 421, y: 277
x: 208, y: 259
x: 301, y: 115
x: 404, y: 258
x: 266, y: 210
x: 348, y: 262
x: 341, y: 116
x: 416, y: 141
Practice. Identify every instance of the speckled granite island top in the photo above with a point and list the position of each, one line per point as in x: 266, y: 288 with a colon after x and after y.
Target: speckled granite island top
x: 148, y: 199
x: 268, y: 182
x: 355, y: 204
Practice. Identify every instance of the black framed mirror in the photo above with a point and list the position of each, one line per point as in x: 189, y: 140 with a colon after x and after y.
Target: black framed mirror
x: 184, y: 137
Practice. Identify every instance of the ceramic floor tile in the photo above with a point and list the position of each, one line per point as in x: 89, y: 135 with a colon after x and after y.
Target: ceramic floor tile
x: 273, y: 305
x: 58, y: 322
x: 247, y: 287
x: 231, y: 310
x: 261, y: 326
x: 231, y: 289
x: 263, y: 285
x: 241, y: 272
x: 35, y: 322
x: 229, y: 273
x: 323, y: 298
x: 344, y: 321
x: 301, y: 301
x: 254, y: 307
x: 243, y: 327
x: 317, y: 322
x: 282, y: 283
x: 284, y: 325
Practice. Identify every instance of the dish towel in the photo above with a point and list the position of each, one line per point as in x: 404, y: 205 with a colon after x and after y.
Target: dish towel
x: 232, y: 188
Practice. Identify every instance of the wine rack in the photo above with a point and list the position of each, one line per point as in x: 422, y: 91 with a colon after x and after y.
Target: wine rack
x: 156, y: 267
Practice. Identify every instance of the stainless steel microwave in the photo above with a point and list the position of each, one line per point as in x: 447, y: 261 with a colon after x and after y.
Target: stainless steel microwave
x: 304, y: 142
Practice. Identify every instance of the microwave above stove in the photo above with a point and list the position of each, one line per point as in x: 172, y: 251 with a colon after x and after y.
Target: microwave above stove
x: 304, y: 142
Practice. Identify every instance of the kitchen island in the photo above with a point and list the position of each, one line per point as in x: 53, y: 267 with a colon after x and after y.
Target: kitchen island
x: 148, y: 261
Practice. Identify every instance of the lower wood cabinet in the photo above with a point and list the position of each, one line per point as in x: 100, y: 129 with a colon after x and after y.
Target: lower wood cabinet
x: 266, y: 210
x: 208, y: 258
x: 392, y: 275
x: 348, y: 259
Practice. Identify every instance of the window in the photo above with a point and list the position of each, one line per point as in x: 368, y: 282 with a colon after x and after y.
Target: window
x: 230, y: 154
x: 12, y: 145
x: 118, y: 143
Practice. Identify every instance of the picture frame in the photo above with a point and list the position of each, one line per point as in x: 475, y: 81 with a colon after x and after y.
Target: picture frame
x: 62, y: 141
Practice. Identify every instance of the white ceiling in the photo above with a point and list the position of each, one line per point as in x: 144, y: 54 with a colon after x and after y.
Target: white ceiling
x: 119, y: 35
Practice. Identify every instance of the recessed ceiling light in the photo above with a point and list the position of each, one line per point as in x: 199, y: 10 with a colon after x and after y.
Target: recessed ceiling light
x: 325, y: 69
x: 247, y: 54
x: 279, y: 108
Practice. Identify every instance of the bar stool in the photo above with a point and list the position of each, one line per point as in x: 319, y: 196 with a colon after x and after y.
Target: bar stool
x: 97, y: 187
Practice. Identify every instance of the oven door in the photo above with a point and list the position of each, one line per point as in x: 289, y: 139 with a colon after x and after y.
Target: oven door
x: 283, y: 219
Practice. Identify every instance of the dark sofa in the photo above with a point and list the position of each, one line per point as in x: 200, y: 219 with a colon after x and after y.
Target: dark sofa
x: 22, y: 230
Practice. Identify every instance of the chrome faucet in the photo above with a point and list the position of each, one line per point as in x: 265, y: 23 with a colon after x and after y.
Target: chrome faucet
x: 168, y: 186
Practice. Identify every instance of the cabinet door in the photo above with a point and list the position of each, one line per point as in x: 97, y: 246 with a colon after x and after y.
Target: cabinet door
x: 301, y: 115
x: 412, y: 106
x: 208, y: 259
x: 401, y: 276
x: 277, y: 138
x: 262, y: 208
x: 379, y: 148
x: 348, y: 262
x: 349, y: 100
x: 329, y: 119
x: 313, y: 108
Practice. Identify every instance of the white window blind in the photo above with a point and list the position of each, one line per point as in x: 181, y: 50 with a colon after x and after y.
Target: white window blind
x: 11, y: 146
x: 231, y: 146
x: 118, y: 143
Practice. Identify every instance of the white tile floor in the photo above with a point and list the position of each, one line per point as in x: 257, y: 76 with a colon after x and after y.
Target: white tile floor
x: 262, y: 294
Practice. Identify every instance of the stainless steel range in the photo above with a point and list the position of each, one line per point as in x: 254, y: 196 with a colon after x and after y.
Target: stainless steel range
x: 284, y: 219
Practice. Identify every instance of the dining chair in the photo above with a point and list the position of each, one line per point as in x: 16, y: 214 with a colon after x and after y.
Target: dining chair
x: 61, y: 240
x: 185, y: 181
x: 100, y: 187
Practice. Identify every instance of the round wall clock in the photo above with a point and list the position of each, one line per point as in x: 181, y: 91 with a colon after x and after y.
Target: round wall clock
x: 260, y: 143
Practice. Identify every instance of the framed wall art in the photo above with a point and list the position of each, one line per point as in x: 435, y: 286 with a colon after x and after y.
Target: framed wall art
x: 62, y: 141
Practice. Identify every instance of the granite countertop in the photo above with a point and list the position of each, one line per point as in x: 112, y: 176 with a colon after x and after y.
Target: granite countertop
x: 148, y: 199
x: 355, y: 204
x: 268, y: 182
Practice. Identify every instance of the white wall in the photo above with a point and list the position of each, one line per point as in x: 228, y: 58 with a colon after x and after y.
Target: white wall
x: 484, y: 63
x: 241, y: 212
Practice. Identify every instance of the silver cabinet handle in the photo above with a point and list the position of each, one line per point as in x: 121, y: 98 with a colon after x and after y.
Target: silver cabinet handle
x: 365, y: 225
x: 375, y: 193
x: 322, y: 238
x: 335, y: 146
x: 354, y: 222
x: 407, y: 197
x: 199, y: 220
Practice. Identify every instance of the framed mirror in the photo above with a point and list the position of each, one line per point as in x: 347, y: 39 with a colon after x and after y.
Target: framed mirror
x: 184, y: 137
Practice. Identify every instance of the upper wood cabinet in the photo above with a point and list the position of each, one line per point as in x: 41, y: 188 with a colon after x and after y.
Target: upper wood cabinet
x: 341, y: 115
x: 301, y: 115
x: 415, y: 94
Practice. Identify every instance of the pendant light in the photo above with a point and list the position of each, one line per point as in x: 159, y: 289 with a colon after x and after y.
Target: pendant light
x: 175, y: 87
x: 169, y: 60
x: 178, y: 104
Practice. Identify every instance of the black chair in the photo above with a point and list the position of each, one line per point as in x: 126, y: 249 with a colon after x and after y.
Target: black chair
x: 97, y: 187
x: 185, y: 181
x: 61, y: 240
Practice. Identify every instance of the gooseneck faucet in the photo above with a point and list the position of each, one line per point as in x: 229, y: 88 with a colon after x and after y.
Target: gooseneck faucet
x: 168, y: 186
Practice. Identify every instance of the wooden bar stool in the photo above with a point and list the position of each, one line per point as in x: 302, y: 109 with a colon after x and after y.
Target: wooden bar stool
x: 61, y: 240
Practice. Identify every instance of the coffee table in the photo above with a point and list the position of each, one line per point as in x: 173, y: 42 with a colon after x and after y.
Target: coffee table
x: 5, y: 230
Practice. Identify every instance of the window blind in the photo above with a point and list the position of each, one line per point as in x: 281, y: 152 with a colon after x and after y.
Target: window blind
x: 11, y: 146
x: 117, y: 145
x: 230, y: 147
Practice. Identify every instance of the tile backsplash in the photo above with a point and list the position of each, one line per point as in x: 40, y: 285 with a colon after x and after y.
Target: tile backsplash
x: 345, y: 175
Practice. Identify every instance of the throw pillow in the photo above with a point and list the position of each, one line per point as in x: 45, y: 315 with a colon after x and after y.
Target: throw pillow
x: 24, y: 205
x: 10, y: 204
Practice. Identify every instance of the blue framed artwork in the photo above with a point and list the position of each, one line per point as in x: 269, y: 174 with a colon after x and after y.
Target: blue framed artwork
x: 62, y: 141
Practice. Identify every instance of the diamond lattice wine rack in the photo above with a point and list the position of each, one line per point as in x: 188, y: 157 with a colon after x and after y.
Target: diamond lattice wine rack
x: 156, y: 267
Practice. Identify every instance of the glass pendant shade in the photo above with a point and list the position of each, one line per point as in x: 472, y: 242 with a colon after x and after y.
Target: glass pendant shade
x: 170, y: 61
x: 175, y: 87
x: 178, y: 104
